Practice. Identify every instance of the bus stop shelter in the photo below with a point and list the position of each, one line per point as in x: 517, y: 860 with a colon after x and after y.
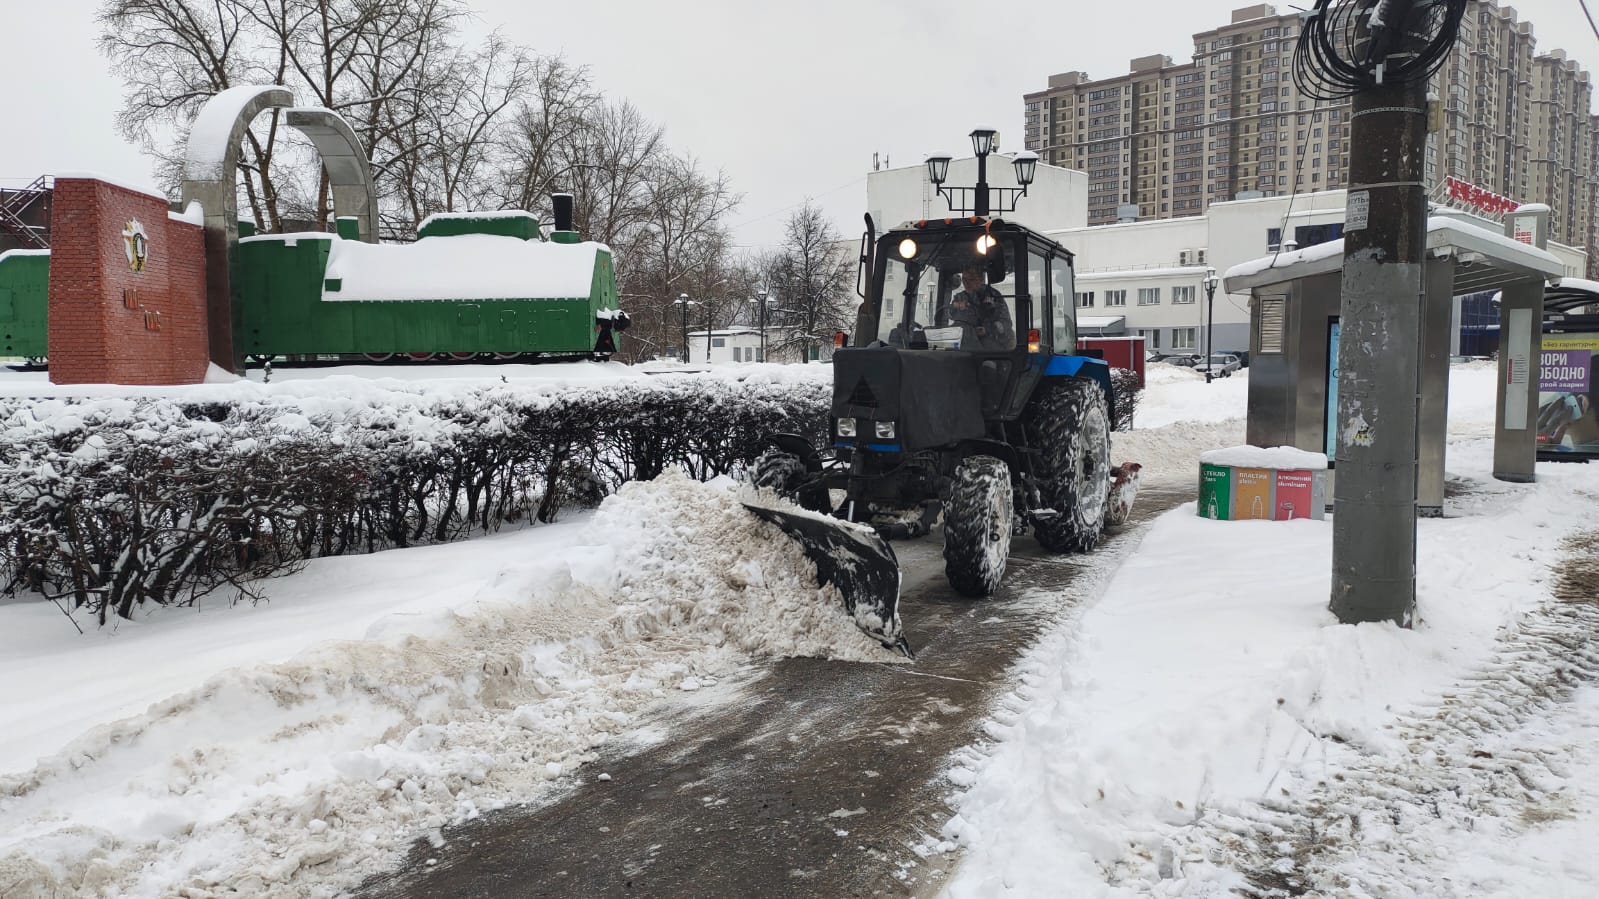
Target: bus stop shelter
x: 1294, y: 331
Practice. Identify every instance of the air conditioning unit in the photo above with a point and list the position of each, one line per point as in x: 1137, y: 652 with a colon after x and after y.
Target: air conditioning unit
x: 1185, y: 257
x: 1199, y: 256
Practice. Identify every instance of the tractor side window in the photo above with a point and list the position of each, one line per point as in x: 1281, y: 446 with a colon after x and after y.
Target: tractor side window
x: 1062, y: 321
x: 1036, y: 271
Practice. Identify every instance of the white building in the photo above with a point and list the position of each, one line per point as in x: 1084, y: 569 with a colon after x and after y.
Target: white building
x: 1153, y: 272
x: 728, y: 345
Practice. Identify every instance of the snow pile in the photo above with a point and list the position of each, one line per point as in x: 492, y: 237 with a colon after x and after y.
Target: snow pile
x: 1171, y: 453
x: 299, y: 777
x: 1173, y: 393
x: 465, y: 266
x: 1247, y: 456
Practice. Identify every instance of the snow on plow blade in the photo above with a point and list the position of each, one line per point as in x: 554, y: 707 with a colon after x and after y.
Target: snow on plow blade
x: 856, y: 560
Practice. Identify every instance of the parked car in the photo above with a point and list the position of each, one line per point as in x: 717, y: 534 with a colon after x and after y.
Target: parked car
x: 1243, y: 356
x: 1187, y: 360
x: 1220, y: 365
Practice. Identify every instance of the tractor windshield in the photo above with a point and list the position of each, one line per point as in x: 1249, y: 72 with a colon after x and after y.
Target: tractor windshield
x: 918, y: 291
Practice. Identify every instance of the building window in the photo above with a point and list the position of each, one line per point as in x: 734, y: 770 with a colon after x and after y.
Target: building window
x: 1151, y: 338
x: 1182, y: 294
x: 1085, y: 300
x: 1183, y: 338
x: 1115, y: 298
x: 718, y: 341
x: 1148, y: 296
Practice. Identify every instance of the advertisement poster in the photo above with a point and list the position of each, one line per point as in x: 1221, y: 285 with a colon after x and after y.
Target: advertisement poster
x: 1568, y: 395
x: 1332, y: 391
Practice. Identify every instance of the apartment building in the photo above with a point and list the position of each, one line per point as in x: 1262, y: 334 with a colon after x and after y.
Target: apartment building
x: 1167, y: 140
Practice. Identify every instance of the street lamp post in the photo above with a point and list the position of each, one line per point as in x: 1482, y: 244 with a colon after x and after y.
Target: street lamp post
x: 1210, y: 311
x: 707, y: 333
x: 1025, y: 162
x: 761, y: 295
x: 683, y: 303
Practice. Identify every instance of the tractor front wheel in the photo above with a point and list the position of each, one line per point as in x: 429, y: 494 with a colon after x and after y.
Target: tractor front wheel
x: 1070, y: 428
x: 785, y: 474
x: 977, y: 526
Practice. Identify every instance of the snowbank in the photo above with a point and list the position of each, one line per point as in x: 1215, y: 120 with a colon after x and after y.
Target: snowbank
x: 457, y: 679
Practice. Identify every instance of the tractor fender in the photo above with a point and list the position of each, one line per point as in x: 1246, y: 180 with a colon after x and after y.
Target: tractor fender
x: 984, y: 447
x: 798, y: 446
x: 1087, y: 367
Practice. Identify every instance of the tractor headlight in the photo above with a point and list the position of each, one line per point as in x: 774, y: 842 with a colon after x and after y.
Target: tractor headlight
x: 846, y: 427
x: 884, y: 429
x: 986, y: 243
x: 907, y: 249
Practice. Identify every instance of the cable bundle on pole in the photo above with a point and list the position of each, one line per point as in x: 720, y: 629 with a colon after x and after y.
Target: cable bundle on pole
x: 1347, y: 46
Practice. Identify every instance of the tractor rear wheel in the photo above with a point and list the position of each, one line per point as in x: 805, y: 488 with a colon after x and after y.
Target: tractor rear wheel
x: 1070, y: 428
x: 977, y: 526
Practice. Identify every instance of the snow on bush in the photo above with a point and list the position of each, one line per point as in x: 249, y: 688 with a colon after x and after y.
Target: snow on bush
x: 110, y: 502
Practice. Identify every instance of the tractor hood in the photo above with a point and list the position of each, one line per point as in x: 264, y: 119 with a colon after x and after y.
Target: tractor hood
x: 932, y: 396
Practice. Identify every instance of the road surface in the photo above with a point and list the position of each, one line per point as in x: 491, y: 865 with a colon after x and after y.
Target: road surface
x: 816, y: 781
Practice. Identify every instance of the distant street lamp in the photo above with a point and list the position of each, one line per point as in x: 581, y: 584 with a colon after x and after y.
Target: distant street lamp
x: 761, y: 294
x: 683, y: 303
x: 1210, y: 305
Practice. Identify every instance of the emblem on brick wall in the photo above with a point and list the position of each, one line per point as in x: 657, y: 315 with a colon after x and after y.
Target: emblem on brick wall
x: 137, y: 245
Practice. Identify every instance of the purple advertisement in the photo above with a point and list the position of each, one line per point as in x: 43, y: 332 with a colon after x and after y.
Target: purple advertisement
x: 1565, y: 371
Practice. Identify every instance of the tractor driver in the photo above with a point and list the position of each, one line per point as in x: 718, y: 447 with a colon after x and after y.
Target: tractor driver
x: 981, y: 312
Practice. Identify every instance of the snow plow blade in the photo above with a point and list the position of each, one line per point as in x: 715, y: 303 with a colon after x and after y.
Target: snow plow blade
x: 856, y: 560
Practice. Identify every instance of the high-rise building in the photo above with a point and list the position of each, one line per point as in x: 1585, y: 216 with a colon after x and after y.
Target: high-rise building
x: 1167, y: 140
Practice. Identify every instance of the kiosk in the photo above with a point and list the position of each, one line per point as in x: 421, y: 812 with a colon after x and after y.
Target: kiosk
x: 1294, y: 332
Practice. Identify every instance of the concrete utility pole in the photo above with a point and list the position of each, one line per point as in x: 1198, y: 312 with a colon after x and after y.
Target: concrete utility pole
x: 1379, y: 348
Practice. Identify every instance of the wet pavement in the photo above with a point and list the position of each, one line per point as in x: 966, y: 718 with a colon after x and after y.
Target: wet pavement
x: 817, y: 780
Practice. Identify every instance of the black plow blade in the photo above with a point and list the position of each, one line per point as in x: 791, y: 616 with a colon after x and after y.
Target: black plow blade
x: 856, y: 560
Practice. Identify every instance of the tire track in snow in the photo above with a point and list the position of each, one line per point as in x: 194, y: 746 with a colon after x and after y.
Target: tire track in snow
x: 1482, y: 760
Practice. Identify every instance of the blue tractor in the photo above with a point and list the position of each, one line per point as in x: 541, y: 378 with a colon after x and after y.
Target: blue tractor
x: 962, y: 397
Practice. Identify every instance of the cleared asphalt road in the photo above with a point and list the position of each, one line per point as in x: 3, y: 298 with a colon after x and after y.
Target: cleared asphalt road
x: 816, y: 781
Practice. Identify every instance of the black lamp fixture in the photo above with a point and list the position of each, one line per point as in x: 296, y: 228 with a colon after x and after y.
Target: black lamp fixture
x: 983, y: 140
x: 982, y: 200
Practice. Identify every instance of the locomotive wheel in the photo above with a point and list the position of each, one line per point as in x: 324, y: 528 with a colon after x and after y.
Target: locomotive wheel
x: 977, y: 526
x: 378, y: 357
x: 423, y: 357
x: 463, y: 357
x: 1070, y: 428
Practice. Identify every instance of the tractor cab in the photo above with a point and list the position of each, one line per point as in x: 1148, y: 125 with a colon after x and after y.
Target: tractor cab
x: 929, y: 354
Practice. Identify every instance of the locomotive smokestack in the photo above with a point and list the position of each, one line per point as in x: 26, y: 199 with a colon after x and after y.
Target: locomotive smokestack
x: 563, y: 211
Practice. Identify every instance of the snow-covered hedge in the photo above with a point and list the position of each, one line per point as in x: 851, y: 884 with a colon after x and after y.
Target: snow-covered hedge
x: 108, y: 503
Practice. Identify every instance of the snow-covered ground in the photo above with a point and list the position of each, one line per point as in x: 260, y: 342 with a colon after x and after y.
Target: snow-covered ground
x: 1172, y: 737
x: 1208, y: 721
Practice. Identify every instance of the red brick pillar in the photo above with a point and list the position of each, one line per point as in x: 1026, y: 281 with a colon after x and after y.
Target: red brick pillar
x: 127, y: 288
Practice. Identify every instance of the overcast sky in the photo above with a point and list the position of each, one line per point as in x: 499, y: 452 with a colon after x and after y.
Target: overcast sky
x: 790, y: 99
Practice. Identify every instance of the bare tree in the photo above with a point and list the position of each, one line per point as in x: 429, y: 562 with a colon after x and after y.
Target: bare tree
x: 811, y: 283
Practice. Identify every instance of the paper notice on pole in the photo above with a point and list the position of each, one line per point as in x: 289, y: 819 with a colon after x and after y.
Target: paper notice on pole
x: 1357, y: 210
x: 1518, y: 368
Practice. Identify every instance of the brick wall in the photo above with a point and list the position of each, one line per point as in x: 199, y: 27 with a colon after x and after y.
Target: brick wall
x: 110, y: 324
